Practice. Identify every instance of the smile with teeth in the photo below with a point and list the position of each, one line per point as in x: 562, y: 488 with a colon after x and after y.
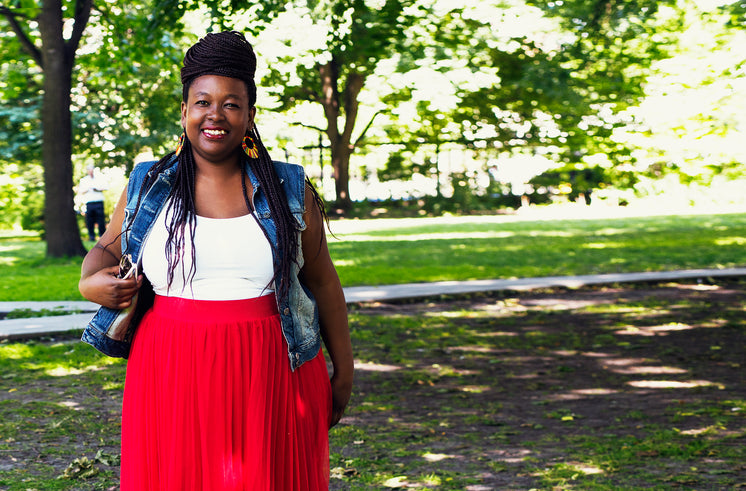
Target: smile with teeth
x: 215, y: 132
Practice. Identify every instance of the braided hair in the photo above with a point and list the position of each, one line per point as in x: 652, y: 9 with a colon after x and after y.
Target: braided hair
x: 227, y: 54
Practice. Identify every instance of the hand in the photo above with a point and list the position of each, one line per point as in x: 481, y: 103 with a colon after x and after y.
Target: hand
x: 104, y: 288
x: 341, y: 391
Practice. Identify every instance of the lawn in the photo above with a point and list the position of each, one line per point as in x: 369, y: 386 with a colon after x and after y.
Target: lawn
x: 608, y: 387
x: 603, y: 388
x: 375, y: 252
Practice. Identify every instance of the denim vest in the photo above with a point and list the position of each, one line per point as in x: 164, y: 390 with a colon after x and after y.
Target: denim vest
x: 298, y: 310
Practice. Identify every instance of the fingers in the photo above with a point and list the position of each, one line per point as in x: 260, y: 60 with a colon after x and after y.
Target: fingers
x: 124, y: 290
x: 340, y: 397
x: 108, y: 290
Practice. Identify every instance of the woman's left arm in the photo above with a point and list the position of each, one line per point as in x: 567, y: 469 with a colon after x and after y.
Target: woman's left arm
x: 320, y: 276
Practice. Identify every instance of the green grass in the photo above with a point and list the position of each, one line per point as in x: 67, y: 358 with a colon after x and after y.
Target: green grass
x: 541, y: 248
x: 386, y: 254
x: 44, y: 387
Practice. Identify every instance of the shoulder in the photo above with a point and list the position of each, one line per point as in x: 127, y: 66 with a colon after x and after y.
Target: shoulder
x: 286, y: 170
x: 292, y: 178
x: 166, y: 166
x: 141, y: 170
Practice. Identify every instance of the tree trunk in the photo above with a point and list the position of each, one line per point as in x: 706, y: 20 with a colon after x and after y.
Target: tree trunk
x: 340, y: 141
x: 341, y: 164
x: 60, y: 223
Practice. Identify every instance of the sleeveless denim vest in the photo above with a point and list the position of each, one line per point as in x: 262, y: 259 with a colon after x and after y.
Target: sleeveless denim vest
x: 298, y: 310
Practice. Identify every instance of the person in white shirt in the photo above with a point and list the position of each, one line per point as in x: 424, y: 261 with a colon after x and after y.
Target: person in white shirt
x: 90, y: 190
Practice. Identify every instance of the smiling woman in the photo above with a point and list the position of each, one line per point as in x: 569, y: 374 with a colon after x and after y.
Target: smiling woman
x: 227, y: 386
x: 216, y: 117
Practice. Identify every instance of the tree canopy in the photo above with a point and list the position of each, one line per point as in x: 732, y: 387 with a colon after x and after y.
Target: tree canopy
x: 574, y: 81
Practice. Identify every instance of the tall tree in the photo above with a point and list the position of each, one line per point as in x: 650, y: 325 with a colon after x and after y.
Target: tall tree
x: 55, y: 55
x: 356, y: 36
x: 101, y: 97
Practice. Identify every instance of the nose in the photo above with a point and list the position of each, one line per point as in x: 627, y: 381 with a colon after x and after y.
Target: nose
x: 215, y: 112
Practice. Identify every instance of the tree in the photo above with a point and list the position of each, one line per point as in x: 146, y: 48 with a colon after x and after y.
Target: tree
x: 355, y: 37
x: 101, y: 98
x: 566, y: 79
x: 692, y: 117
x: 56, y: 58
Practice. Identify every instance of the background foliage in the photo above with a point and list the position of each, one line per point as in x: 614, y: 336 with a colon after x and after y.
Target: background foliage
x: 459, y: 104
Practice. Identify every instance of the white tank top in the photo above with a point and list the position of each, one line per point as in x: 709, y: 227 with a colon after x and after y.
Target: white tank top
x: 233, y: 260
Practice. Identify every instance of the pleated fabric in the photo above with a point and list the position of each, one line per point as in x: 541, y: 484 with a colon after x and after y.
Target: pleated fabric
x: 210, y: 402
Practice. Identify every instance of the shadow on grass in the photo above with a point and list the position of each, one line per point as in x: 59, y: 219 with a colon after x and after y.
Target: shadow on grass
x: 599, y: 388
x: 596, y: 388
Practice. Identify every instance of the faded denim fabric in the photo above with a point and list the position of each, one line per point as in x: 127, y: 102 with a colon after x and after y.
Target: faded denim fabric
x: 298, y: 311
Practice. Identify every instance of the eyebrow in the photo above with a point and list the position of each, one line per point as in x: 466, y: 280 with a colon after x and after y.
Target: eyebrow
x: 228, y: 96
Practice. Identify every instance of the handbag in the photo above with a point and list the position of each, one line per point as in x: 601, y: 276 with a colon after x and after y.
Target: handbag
x: 123, y: 328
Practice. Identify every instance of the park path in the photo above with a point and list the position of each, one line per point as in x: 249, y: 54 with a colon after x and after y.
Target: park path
x: 44, y: 326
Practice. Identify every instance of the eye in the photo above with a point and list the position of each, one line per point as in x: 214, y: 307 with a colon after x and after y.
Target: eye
x: 202, y: 103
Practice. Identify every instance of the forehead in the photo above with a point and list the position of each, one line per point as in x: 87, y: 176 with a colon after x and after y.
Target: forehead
x: 218, y: 86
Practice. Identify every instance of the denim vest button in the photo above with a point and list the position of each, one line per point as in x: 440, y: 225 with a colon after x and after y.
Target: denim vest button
x: 286, y: 311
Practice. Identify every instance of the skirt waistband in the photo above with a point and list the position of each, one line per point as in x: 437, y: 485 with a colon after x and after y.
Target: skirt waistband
x: 187, y: 309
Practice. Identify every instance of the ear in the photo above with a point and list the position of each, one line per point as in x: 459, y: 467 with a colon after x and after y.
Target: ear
x: 252, y: 115
x: 183, y: 114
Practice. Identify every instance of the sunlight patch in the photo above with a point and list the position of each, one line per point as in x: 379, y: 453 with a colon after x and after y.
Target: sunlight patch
x: 475, y: 389
x: 671, y: 326
x: 70, y: 404
x: 471, y: 349
x: 593, y: 354
x: 63, y: 371
x: 649, y: 370
x: 16, y: 351
x: 565, y: 352
x: 697, y: 431
x: 600, y: 391
x: 396, y: 482
x: 588, y: 469
x: 701, y: 287
x: 495, y: 334
x: 437, y: 457
x: 625, y: 361
x: 673, y: 384
x: 429, y: 236
x: 729, y: 241
x: 8, y: 261
x: 375, y: 367
x: 660, y: 330
x: 599, y: 245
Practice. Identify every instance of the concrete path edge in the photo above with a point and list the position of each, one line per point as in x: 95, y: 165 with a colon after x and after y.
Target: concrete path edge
x: 44, y: 326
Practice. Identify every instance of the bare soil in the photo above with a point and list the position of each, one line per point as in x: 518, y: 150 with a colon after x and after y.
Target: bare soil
x: 534, y: 381
x: 617, y: 362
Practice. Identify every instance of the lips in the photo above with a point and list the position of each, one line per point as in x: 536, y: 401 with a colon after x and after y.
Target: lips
x: 214, y: 133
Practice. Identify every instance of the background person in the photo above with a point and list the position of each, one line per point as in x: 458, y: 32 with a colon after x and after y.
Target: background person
x: 227, y: 387
x: 91, y: 196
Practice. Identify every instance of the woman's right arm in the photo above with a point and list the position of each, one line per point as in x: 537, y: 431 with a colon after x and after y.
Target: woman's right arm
x: 98, y: 277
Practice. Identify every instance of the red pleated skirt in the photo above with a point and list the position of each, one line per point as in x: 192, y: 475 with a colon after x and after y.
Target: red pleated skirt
x: 210, y: 402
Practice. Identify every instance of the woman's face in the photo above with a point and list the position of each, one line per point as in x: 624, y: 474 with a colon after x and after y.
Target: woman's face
x: 216, y: 117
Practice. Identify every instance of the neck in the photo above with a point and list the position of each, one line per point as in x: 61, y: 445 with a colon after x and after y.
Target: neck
x: 218, y: 172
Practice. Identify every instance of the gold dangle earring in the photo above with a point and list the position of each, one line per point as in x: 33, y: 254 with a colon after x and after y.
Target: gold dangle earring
x: 249, y: 147
x: 180, y: 145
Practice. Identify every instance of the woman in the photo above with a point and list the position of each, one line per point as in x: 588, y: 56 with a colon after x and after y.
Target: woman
x: 226, y: 384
